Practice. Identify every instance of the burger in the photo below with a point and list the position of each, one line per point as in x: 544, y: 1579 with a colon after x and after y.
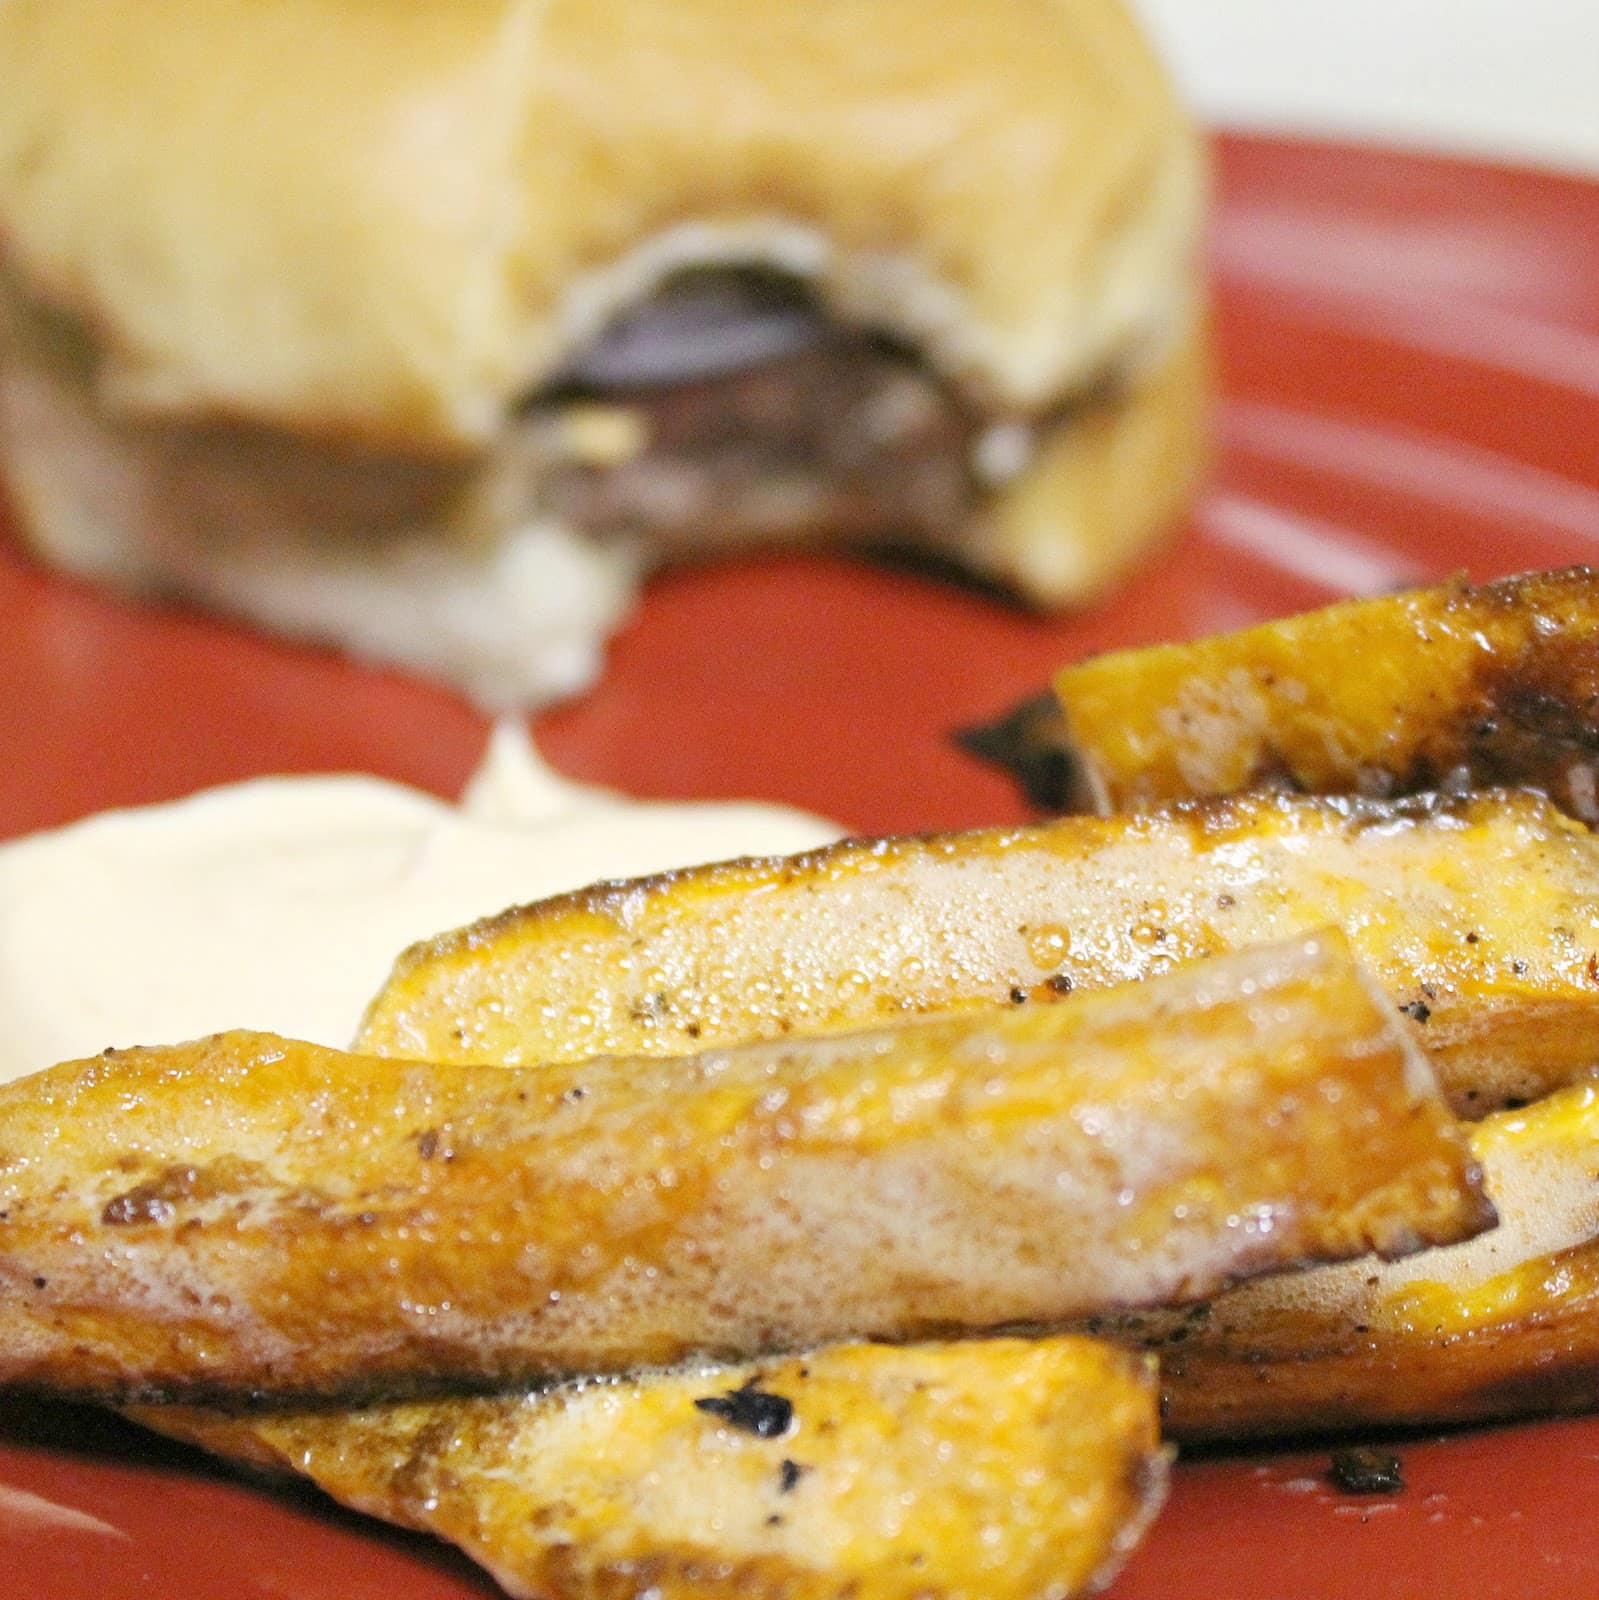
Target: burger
x: 426, y: 328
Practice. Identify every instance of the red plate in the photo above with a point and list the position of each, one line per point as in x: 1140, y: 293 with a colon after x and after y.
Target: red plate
x: 1410, y: 353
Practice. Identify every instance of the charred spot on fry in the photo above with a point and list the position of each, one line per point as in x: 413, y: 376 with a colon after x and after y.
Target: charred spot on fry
x: 156, y: 1200
x: 1030, y: 744
x: 752, y: 1409
x: 137, y: 1205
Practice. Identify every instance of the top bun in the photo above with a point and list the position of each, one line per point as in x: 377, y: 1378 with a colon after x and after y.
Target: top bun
x: 389, y: 220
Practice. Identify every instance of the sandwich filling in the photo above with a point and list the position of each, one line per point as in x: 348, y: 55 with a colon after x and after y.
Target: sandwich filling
x: 730, y: 408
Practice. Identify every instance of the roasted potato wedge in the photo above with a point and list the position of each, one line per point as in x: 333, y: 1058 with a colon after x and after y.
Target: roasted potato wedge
x: 1452, y: 686
x: 249, y: 1214
x: 986, y: 1470
x: 1507, y: 1325
x: 1477, y: 914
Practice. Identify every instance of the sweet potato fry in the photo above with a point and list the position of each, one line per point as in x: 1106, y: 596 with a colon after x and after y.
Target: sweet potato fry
x: 250, y: 1214
x: 1475, y: 914
x: 986, y: 1470
x: 1449, y: 686
x: 1506, y: 1325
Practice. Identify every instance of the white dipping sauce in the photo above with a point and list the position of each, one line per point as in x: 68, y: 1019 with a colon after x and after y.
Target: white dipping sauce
x: 281, y: 903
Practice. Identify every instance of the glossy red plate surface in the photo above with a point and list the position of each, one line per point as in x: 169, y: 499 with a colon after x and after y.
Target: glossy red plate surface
x: 1410, y: 362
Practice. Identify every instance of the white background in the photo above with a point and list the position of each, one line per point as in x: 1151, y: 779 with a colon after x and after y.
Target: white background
x: 1517, y: 78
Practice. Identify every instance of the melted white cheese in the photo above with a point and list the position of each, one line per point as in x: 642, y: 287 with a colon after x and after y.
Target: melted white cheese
x: 281, y: 903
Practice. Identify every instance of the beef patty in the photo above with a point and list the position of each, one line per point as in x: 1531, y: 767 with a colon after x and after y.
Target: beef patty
x: 730, y: 408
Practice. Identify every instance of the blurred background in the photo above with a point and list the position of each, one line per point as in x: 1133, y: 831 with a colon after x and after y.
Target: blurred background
x: 1514, y: 78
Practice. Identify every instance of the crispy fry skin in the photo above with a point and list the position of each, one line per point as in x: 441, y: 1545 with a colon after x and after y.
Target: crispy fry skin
x: 1446, y: 686
x: 1505, y: 1325
x: 1030, y: 743
x: 900, y: 1460
x: 1479, y: 913
x: 249, y: 1214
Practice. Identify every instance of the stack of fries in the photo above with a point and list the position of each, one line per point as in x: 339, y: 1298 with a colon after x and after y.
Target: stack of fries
x: 812, y: 1227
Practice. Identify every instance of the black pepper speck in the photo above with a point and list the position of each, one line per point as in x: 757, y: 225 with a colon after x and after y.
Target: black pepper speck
x: 1364, y: 1470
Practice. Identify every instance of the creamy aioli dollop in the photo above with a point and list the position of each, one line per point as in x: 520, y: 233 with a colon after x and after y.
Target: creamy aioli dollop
x: 281, y: 903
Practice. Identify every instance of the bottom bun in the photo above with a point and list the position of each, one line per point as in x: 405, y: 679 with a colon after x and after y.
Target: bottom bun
x: 1103, y: 485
